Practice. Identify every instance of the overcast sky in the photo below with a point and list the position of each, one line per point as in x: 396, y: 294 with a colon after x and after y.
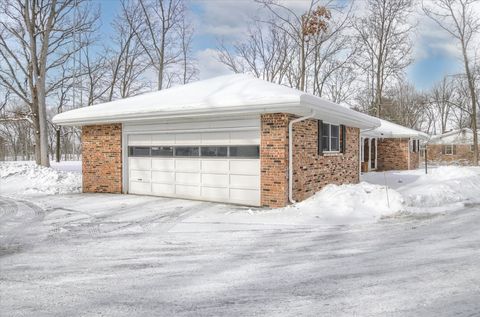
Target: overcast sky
x: 434, y: 52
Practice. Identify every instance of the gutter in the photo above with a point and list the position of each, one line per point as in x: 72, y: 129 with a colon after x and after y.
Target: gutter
x: 290, y: 154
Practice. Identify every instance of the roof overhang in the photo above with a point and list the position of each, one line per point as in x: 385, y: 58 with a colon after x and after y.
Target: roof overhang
x: 324, y: 110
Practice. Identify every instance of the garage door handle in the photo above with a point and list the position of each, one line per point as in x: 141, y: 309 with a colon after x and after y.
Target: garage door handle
x: 139, y: 179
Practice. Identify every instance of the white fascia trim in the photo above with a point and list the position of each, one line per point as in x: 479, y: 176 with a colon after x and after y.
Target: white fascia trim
x: 344, y: 115
x: 206, y: 112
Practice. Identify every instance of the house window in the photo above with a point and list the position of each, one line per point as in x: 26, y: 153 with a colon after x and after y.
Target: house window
x: 448, y: 149
x: 330, y: 139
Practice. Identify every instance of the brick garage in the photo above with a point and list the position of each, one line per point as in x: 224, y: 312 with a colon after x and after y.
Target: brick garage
x: 102, y: 158
x: 242, y: 125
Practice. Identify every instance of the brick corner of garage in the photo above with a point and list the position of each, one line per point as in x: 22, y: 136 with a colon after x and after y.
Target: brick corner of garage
x: 102, y: 158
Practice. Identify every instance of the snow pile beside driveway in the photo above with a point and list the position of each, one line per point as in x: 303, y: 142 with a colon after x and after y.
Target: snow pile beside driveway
x: 28, y: 178
x: 351, y: 203
x: 443, y: 186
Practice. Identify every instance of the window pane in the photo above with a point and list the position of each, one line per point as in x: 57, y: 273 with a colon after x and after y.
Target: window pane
x: 335, y: 130
x: 138, y: 151
x: 334, y: 144
x: 325, y: 143
x: 252, y: 151
x: 325, y: 130
x: 214, y: 151
x: 162, y: 151
x: 186, y: 151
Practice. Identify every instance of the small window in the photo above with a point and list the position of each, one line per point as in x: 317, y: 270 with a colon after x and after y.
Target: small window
x: 449, y: 149
x: 138, y: 151
x: 251, y: 151
x: 162, y: 150
x: 187, y: 151
x: 214, y: 151
x: 330, y: 138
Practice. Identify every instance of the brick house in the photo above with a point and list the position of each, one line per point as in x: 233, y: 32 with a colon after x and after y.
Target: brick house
x: 233, y: 139
x: 453, y: 147
x: 390, y: 147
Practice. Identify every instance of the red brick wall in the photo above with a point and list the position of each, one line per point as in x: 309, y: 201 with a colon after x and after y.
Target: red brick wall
x: 102, y: 158
x: 393, y: 155
x: 462, y: 154
x: 274, y: 159
x: 311, y: 172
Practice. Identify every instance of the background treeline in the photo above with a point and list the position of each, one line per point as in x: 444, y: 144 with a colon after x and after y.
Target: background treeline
x: 54, y: 57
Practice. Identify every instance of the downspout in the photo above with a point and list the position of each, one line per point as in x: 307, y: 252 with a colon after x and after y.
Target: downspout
x: 290, y: 154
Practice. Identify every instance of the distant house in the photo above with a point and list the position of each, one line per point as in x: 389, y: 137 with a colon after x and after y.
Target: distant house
x: 233, y: 139
x: 453, y: 147
x: 390, y: 147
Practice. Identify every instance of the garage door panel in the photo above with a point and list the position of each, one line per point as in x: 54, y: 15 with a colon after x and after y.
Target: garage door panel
x: 215, y: 180
x: 142, y: 164
x: 139, y: 188
x: 215, y: 138
x: 187, y: 191
x: 163, y: 177
x: 245, y: 196
x: 244, y: 137
x: 215, y: 166
x: 187, y: 165
x: 187, y: 178
x: 163, y: 189
x: 245, y: 167
x: 215, y: 193
x: 139, y: 139
x: 163, y: 164
x: 245, y: 181
x: 163, y: 139
x: 140, y: 176
x: 187, y: 138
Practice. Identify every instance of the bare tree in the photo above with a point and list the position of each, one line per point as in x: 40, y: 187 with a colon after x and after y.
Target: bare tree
x: 156, y: 32
x: 35, y: 39
x: 441, y: 101
x: 459, y: 19
x: 266, y: 54
x: 300, y: 28
x: 405, y: 105
x: 383, y: 35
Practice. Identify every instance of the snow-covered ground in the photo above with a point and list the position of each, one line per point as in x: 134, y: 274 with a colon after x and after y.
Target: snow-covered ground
x: 347, y: 251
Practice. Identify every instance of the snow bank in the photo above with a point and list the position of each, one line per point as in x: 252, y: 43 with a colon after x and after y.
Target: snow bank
x: 352, y: 203
x: 443, y: 186
x: 28, y: 178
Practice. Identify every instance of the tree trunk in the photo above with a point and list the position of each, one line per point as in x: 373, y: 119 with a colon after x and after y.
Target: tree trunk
x: 473, y: 95
x: 42, y: 118
x: 57, y: 152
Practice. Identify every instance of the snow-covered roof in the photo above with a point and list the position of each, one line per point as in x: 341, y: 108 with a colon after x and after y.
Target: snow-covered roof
x: 460, y: 136
x: 230, y: 95
x: 389, y: 129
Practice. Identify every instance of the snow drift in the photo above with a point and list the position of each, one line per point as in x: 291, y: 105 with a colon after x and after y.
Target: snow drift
x: 29, y: 178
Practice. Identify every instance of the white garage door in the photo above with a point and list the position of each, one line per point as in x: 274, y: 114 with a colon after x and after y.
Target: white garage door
x: 219, y: 166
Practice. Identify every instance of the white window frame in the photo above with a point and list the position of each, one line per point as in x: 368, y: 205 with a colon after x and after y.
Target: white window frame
x: 330, y: 138
x: 448, y: 146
